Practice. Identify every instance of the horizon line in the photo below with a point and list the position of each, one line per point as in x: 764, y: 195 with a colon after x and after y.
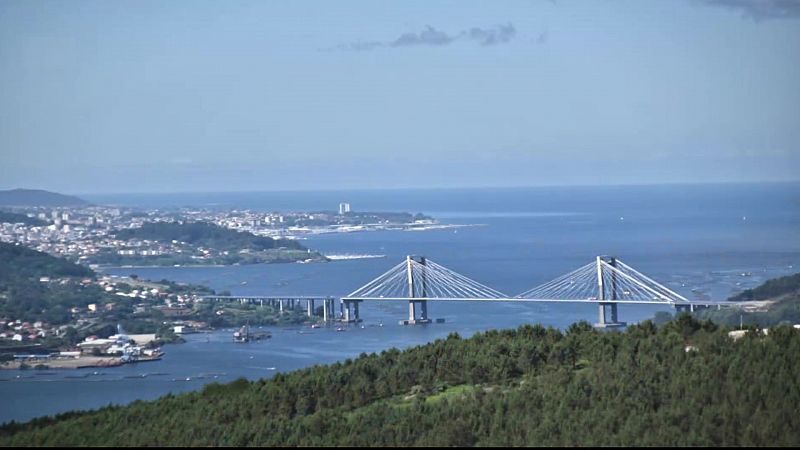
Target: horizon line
x: 444, y: 188
x: 421, y: 188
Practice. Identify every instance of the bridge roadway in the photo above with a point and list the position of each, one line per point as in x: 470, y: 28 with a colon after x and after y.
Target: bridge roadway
x: 349, y: 308
x: 606, y: 282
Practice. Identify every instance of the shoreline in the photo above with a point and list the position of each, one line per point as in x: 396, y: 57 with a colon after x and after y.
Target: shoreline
x: 195, y: 266
x: 82, y: 362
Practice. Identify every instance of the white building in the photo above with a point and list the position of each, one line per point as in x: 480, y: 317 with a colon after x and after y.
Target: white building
x: 344, y: 208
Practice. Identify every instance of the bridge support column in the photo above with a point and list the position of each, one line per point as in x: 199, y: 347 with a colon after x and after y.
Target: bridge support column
x: 611, y: 290
x: 310, y: 307
x: 351, y: 316
x: 327, y: 309
x: 280, y: 306
x: 604, y: 322
x: 417, y: 308
x: 417, y: 289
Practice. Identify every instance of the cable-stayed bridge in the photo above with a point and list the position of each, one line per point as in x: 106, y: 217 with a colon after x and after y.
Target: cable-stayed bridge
x: 606, y: 282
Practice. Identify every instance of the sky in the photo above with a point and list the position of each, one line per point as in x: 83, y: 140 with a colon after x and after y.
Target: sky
x: 194, y: 96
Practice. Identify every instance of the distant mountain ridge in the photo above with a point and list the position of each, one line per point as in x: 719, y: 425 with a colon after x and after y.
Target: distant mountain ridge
x: 38, y: 197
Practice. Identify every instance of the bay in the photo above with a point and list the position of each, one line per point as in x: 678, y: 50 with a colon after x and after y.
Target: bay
x: 715, y: 239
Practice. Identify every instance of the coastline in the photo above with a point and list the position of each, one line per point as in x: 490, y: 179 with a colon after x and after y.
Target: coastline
x: 161, y: 266
x: 82, y: 362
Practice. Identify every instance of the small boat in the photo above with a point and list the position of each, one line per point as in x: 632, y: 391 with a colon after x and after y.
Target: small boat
x: 339, y: 329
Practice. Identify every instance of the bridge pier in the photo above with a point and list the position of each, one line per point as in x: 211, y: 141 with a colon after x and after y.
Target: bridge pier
x: 310, y: 307
x: 416, y: 289
x: 412, y: 313
x: 347, y: 316
x: 601, y: 295
x: 604, y: 322
x: 327, y: 309
x: 280, y: 305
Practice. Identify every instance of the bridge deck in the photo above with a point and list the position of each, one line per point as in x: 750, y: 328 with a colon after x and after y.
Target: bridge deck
x: 461, y: 299
x: 540, y: 300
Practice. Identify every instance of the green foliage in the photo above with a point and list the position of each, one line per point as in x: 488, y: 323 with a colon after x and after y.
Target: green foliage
x: 771, y: 288
x: 20, y: 262
x: 204, y: 243
x: 23, y: 296
x: 184, y: 288
x: 785, y: 311
x: 784, y: 291
x: 234, y: 315
x: 532, y: 386
x: 206, y: 235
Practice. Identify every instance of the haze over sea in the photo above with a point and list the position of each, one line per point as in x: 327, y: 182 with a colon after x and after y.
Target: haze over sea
x: 705, y: 241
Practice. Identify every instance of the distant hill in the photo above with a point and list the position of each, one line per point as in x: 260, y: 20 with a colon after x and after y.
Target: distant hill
x: 784, y: 295
x: 19, y: 262
x: 770, y: 289
x: 24, y: 297
x: 38, y: 197
x: 206, y: 235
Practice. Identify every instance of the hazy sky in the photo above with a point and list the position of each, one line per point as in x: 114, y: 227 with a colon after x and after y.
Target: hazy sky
x: 138, y: 96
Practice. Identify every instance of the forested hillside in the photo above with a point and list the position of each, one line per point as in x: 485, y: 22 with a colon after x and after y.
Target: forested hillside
x: 784, y: 294
x: 20, y: 262
x: 207, y: 235
x: 23, y: 296
x: 770, y: 289
x: 685, y: 383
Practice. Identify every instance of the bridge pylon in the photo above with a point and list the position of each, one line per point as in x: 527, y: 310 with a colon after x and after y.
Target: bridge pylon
x: 418, y: 279
x: 609, y: 282
x: 414, y: 284
x: 607, y: 292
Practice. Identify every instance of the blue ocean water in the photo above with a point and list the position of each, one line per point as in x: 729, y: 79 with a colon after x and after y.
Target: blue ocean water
x: 705, y: 241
